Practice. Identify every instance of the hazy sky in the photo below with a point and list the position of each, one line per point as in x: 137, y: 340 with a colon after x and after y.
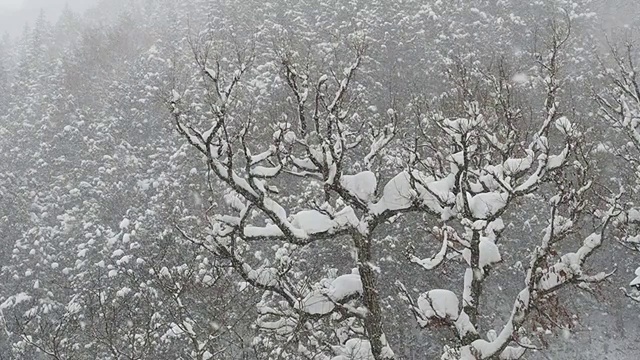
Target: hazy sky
x: 15, y: 13
x: 9, y: 5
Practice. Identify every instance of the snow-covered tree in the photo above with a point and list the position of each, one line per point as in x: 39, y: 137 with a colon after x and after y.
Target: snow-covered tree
x: 620, y: 109
x: 462, y: 172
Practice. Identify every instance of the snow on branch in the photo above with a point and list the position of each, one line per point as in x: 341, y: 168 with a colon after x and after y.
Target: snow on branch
x: 541, y: 280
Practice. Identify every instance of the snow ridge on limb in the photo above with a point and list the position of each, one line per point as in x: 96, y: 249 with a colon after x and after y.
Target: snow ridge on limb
x: 635, y: 283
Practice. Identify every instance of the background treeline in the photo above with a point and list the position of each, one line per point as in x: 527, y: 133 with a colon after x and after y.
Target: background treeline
x: 108, y: 212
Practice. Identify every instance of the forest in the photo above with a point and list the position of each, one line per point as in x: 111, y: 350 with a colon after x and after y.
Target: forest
x: 322, y: 180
